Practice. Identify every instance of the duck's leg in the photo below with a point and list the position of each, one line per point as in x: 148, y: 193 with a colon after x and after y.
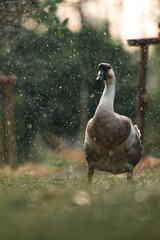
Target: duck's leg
x: 129, y: 175
x: 90, y: 174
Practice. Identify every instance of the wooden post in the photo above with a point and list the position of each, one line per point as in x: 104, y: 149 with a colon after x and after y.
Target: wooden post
x: 12, y: 156
x: 141, y: 105
x: 143, y: 44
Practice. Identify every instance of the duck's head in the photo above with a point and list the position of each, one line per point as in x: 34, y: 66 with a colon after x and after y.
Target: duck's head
x: 105, y: 72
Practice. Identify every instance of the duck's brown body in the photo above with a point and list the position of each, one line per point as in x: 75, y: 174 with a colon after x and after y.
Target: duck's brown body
x: 112, y: 142
x: 116, y: 153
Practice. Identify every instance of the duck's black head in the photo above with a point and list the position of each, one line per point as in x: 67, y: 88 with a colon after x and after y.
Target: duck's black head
x: 103, y: 73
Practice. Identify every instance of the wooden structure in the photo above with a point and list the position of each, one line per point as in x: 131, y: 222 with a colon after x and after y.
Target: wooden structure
x: 11, y: 142
x: 143, y: 44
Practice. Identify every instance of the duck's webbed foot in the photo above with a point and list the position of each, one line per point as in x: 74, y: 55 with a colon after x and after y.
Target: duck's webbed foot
x: 129, y: 175
x: 90, y: 174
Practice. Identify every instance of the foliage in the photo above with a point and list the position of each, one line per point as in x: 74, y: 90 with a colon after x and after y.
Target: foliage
x: 50, y: 68
x: 152, y: 117
x: 21, y: 51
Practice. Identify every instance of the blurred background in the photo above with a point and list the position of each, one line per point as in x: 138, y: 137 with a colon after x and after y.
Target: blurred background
x: 54, y: 47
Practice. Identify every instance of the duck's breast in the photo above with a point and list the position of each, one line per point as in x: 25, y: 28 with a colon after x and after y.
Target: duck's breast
x: 109, y: 131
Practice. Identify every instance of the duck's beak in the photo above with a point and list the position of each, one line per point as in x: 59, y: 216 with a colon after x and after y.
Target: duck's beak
x: 101, y: 76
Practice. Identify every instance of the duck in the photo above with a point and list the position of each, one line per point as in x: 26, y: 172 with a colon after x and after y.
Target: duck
x: 112, y: 142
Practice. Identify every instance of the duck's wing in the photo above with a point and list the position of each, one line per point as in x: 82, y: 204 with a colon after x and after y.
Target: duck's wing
x: 137, y: 131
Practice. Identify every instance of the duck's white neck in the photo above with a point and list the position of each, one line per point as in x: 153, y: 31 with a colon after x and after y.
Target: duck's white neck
x: 106, y: 104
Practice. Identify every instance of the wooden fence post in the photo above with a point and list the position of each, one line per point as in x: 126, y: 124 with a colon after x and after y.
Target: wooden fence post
x: 143, y: 44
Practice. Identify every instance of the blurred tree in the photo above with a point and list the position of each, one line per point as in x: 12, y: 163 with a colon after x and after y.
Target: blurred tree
x: 22, y: 24
x: 54, y: 67
x: 152, y: 118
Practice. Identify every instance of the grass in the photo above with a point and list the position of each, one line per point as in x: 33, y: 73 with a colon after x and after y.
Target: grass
x: 65, y: 208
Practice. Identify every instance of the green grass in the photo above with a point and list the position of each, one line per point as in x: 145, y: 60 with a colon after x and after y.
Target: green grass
x: 46, y: 208
x: 59, y: 162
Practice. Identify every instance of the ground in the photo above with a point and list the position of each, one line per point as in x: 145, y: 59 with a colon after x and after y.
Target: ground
x: 54, y: 201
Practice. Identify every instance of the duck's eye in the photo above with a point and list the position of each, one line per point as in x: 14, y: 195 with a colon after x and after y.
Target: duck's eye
x: 109, y: 67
